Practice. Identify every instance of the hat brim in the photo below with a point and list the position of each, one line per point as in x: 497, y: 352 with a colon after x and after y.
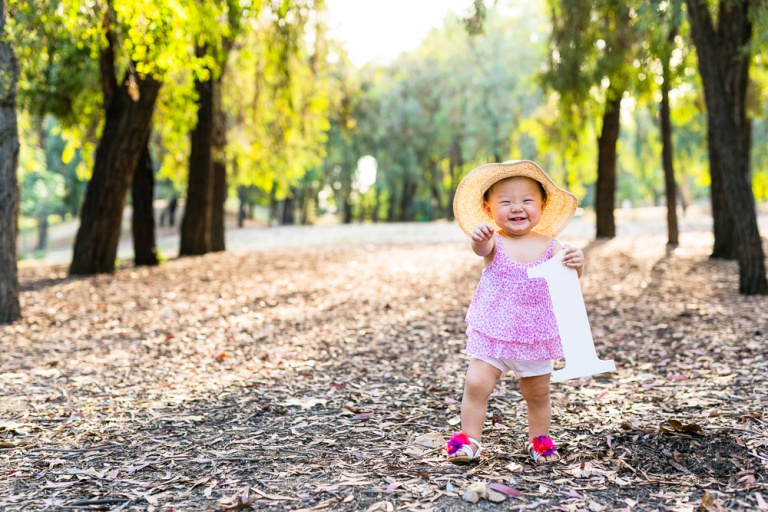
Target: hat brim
x: 468, y: 201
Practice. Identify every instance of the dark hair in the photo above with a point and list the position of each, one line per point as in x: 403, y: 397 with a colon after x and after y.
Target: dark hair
x: 541, y: 187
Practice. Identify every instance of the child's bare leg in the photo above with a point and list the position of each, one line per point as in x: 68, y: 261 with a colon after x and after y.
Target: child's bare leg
x: 535, y: 390
x: 478, y: 386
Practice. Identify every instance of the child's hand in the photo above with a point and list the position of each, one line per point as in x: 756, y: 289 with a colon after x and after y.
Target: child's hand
x: 482, y: 233
x: 573, y: 258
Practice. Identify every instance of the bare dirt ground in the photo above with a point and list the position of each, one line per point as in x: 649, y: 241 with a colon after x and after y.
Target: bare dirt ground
x: 327, y: 376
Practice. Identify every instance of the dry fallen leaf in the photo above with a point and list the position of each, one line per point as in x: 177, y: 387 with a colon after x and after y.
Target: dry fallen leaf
x: 475, y: 492
x: 240, y: 503
x: 710, y: 503
x: 495, y: 496
x: 504, y: 489
x: 672, y: 425
x: 761, y: 503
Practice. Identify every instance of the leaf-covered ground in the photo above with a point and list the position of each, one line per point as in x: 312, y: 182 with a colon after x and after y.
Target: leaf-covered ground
x: 328, y: 378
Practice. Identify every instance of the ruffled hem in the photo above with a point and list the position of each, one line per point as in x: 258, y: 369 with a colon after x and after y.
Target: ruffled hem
x: 479, y: 344
x: 525, y: 335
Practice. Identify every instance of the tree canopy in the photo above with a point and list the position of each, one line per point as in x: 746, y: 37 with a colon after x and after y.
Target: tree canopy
x: 510, y: 81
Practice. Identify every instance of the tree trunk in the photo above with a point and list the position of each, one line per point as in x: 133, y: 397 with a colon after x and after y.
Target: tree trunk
x: 306, y: 201
x: 42, y: 229
x: 724, y: 68
x: 346, y: 212
x: 606, y: 168
x: 129, y: 109
x: 406, y: 200
x: 287, y: 217
x: 10, y: 308
x: 272, y: 216
x: 143, y: 222
x: 242, y: 196
x: 218, y: 214
x: 198, y: 209
x: 173, y: 204
x: 724, y: 246
x: 666, y: 154
x: 376, y: 203
x: 219, y: 156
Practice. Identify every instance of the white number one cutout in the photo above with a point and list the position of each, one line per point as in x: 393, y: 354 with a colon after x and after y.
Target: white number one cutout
x: 572, y: 322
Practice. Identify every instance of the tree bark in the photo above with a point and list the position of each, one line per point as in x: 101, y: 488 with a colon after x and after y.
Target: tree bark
x: 724, y: 245
x: 218, y: 214
x: 143, y: 221
x: 346, y: 211
x: 242, y: 196
x: 10, y: 307
x: 724, y: 68
x: 666, y: 153
x: 406, y: 200
x: 198, y: 209
x: 42, y: 229
x: 123, y: 140
x: 274, y: 206
x: 219, y: 158
x: 605, y: 199
x: 287, y: 215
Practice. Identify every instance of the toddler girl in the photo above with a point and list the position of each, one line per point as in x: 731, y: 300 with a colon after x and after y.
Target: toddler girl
x: 511, y: 211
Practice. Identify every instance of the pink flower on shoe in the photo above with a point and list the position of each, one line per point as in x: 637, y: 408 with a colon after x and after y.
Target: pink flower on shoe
x: 544, y: 445
x: 456, y: 442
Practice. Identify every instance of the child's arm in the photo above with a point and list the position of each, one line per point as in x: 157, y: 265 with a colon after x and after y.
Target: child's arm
x: 573, y: 258
x: 483, y: 240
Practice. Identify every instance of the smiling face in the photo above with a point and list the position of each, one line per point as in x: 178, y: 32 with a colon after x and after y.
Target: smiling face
x: 515, y: 204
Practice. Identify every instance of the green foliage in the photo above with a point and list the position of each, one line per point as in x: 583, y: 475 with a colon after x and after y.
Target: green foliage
x: 300, y: 116
x: 431, y: 116
x: 568, y: 154
x: 43, y: 176
x: 174, y: 117
x: 277, y: 94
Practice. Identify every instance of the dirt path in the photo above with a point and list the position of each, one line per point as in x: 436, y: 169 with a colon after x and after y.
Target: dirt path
x: 318, y: 378
x: 635, y: 222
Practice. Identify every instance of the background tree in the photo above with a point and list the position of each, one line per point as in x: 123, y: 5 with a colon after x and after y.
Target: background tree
x: 42, y: 174
x: 206, y: 185
x: 143, y: 219
x: 591, y: 62
x: 279, y: 100
x: 58, y: 113
x: 128, y: 105
x: 10, y: 308
x: 724, y: 52
x: 667, y: 46
x: 293, y: 118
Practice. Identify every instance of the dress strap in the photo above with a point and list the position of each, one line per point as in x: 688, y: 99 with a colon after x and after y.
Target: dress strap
x: 550, y: 248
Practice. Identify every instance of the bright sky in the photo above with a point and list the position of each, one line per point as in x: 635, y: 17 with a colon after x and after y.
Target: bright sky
x: 383, y: 29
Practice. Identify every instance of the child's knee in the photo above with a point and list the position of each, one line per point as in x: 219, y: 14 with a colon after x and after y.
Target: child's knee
x: 478, y: 384
x: 535, y: 389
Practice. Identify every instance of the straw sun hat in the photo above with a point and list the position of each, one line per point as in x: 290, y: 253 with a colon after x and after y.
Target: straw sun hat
x: 468, y: 202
